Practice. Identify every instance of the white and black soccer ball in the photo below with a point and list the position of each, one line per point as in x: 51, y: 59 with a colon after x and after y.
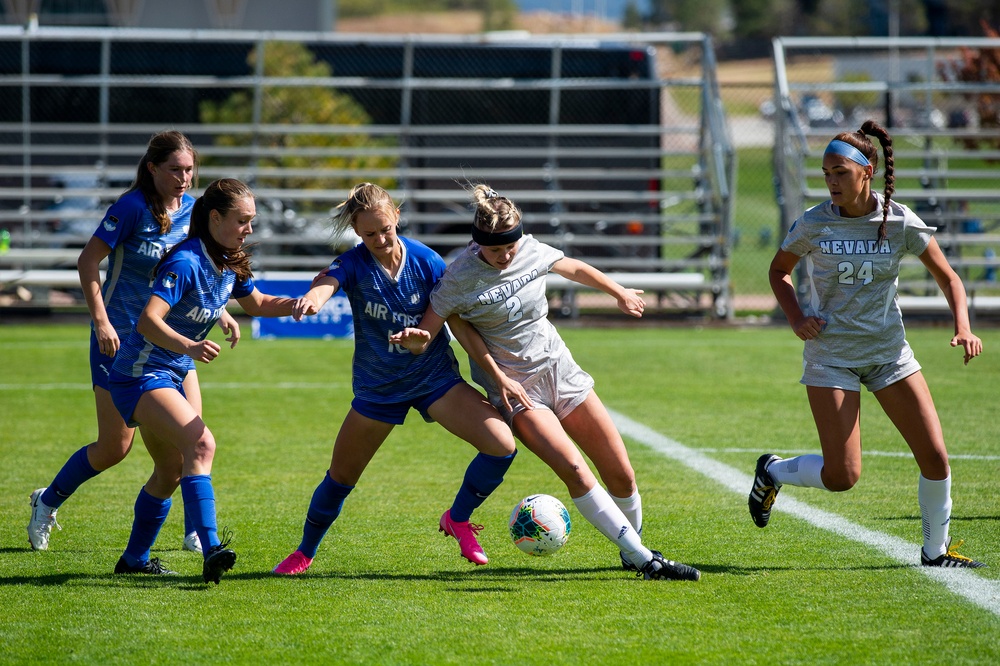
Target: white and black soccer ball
x: 539, y: 525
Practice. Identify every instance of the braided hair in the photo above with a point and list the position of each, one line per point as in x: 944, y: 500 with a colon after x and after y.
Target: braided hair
x: 861, y: 141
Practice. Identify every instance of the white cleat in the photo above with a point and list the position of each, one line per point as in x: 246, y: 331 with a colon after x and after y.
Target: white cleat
x: 42, y: 519
x: 192, y: 542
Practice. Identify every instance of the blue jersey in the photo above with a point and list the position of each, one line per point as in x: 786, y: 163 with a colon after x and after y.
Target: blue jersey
x: 196, y: 292
x: 381, y: 306
x: 133, y: 235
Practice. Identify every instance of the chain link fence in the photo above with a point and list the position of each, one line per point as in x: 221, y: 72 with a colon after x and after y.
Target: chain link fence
x: 614, y: 156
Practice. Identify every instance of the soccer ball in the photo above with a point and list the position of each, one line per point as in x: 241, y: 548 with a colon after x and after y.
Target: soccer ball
x: 539, y: 525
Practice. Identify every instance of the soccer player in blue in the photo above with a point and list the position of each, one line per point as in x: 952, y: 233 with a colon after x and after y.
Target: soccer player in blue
x: 193, y: 283
x: 388, y: 280
x: 146, y: 221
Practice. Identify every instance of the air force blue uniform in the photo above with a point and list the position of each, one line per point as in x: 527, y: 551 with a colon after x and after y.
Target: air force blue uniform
x: 197, y: 292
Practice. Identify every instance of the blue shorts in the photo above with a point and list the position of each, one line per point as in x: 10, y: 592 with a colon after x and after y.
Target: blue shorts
x: 100, y: 364
x: 126, y: 391
x: 395, y: 412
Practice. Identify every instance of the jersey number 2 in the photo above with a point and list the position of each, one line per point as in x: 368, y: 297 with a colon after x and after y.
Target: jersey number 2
x: 514, y: 312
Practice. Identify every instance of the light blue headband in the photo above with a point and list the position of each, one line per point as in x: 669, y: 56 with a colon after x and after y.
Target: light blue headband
x: 845, y: 149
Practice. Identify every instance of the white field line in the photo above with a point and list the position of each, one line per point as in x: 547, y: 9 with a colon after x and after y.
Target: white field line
x: 963, y: 582
x: 207, y: 385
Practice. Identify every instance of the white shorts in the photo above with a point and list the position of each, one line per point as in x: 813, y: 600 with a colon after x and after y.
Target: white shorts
x: 561, y: 388
x: 874, y: 377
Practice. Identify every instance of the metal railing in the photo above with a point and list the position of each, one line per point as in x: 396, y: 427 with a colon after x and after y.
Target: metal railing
x: 944, y: 151
x: 617, y: 162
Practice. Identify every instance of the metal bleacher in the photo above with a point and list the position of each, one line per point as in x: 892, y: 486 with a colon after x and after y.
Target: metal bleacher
x: 945, y: 150
x: 584, y: 133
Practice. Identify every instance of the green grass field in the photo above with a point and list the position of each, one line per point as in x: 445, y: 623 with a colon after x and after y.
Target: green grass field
x: 387, y: 588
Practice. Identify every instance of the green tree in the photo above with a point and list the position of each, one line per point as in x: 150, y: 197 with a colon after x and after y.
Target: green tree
x: 297, y: 105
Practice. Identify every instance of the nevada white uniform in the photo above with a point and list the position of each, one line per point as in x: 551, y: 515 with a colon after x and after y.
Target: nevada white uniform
x: 510, y: 311
x: 851, y: 280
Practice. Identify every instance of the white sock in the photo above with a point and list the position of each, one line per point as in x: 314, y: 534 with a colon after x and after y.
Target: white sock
x: 798, y: 471
x: 632, y: 508
x: 602, y: 512
x: 935, y: 514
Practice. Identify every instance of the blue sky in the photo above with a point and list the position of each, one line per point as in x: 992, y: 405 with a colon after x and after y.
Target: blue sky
x: 612, y: 9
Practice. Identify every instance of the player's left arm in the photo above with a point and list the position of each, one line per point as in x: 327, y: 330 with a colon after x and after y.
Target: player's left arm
x: 230, y: 328
x: 258, y: 304
x: 629, y: 300
x: 954, y: 292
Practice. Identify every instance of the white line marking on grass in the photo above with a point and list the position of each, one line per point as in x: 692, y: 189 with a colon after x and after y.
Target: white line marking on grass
x: 207, y: 385
x: 981, y: 591
x: 878, y: 454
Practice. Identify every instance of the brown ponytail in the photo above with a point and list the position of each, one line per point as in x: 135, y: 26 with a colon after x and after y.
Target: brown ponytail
x: 860, y: 141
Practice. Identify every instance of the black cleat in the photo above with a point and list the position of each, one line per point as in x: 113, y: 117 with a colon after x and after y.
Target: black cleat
x: 659, y: 568
x: 627, y: 563
x: 152, y: 567
x: 764, y: 491
x: 219, y: 559
x: 950, y: 559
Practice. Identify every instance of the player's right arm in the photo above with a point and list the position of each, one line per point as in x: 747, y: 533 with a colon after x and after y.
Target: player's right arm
x: 780, y: 277
x: 88, y: 265
x: 152, y: 326
x: 476, y: 348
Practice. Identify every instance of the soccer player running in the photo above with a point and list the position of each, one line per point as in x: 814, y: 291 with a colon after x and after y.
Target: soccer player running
x: 853, y: 332
x: 193, y: 283
x: 388, y: 280
x: 145, y: 222
x: 498, y: 285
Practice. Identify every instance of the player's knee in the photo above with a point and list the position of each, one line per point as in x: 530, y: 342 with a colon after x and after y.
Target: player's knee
x: 840, y: 480
x: 108, y: 452
x: 203, y: 449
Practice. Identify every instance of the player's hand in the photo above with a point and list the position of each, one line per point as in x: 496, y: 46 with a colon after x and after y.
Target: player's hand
x: 808, y: 328
x: 970, y: 343
x: 204, y: 351
x: 107, y: 339
x: 303, y: 307
x: 231, y: 328
x: 510, y: 388
x: 631, y: 303
x: 413, y: 339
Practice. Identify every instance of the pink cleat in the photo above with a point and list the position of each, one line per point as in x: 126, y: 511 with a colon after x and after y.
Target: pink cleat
x: 294, y: 564
x: 465, y: 533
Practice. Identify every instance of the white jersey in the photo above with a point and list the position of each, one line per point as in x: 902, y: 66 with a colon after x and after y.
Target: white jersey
x: 508, y: 308
x: 851, y: 280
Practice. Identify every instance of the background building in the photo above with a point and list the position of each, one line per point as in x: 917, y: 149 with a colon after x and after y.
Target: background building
x: 188, y: 14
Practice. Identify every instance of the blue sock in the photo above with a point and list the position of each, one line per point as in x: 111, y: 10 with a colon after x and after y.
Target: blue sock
x: 150, y: 514
x: 73, y: 474
x: 199, y: 504
x: 327, y: 501
x: 189, y: 525
x: 482, y: 477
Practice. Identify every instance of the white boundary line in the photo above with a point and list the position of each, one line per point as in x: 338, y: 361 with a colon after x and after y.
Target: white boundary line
x: 207, y: 385
x: 983, y: 592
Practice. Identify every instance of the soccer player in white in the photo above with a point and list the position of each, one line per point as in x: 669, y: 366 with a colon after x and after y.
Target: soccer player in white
x: 498, y: 285
x: 853, y: 332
